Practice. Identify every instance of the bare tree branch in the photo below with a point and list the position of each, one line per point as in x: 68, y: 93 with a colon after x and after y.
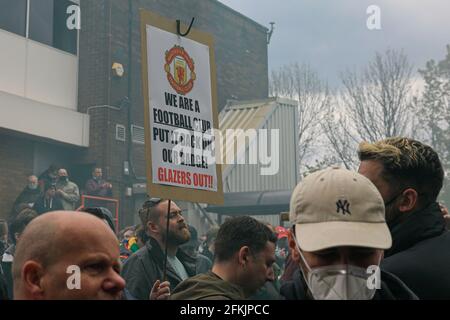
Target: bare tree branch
x: 373, y: 104
x: 302, y: 83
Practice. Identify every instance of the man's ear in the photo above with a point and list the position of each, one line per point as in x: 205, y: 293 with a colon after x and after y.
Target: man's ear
x: 243, y: 256
x: 152, y: 227
x: 293, y: 247
x: 32, y: 273
x: 408, y: 201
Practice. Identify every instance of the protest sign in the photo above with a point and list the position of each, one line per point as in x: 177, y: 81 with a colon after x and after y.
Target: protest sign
x: 180, y: 101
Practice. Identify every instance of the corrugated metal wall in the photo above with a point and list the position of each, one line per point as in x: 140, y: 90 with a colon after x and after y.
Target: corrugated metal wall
x: 245, y: 177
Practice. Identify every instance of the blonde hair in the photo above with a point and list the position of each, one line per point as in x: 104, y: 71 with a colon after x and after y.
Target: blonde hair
x: 406, y: 161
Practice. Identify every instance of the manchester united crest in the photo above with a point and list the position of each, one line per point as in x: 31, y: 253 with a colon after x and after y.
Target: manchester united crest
x: 180, y: 70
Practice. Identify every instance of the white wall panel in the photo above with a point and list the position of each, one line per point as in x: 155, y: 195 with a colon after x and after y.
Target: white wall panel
x: 12, y: 63
x: 51, y: 76
x: 43, y: 120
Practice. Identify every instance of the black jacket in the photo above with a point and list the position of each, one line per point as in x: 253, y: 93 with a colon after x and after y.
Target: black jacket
x: 420, y: 253
x: 3, y: 286
x: 27, y: 196
x: 7, y: 271
x: 145, y: 266
x: 392, y: 288
x: 203, y: 264
x: 42, y: 205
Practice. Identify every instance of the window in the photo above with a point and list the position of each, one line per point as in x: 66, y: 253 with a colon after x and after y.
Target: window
x: 47, y: 21
x: 138, y: 134
x: 48, y: 24
x: 120, y: 132
x: 13, y: 16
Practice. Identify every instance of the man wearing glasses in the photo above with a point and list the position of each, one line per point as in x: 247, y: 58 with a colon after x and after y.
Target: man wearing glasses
x: 146, y: 266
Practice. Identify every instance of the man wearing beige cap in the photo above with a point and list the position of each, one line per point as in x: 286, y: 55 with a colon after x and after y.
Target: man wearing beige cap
x: 338, y: 237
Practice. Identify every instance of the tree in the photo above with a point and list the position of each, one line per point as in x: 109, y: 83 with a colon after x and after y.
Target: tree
x: 373, y: 104
x: 302, y: 84
x: 433, y: 109
x: 342, y: 143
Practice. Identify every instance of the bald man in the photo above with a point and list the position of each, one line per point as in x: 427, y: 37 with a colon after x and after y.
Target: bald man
x: 55, y: 246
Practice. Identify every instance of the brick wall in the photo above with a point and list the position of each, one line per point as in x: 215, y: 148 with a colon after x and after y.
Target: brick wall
x: 16, y: 156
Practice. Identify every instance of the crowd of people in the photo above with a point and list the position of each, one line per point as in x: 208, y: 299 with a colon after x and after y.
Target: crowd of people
x: 375, y: 234
x: 53, y: 190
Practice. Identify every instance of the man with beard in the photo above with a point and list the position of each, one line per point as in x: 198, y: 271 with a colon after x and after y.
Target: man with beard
x: 409, y: 176
x: 146, y: 266
x: 55, y: 247
x: 27, y: 197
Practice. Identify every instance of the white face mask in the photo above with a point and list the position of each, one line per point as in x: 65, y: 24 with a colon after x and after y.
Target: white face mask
x: 337, y: 282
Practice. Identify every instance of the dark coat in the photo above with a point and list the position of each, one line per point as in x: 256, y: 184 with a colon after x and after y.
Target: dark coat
x: 42, y: 206
x: 145, y: 266
x: 290, y: 266
x: 7, y: 271
x: 392, y: 288
x: 27, y: 196
x: 203, y: 264
x: 3, y: 286
x: 94, y: 188
x: 420, y: 253
x: 208, y: 254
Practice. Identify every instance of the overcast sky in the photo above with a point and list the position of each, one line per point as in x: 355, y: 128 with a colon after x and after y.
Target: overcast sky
x: 332, y: 35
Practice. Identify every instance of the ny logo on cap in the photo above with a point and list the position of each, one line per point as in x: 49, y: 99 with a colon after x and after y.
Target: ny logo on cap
x: 343, y: 205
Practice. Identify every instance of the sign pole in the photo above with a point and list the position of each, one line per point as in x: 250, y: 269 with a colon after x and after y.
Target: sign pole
x: 166, y: 242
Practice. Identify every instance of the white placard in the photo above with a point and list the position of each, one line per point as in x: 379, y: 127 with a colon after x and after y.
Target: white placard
x: 180, y: 111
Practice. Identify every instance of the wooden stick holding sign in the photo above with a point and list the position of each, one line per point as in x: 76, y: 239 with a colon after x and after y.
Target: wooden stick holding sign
x: 166, y: 242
